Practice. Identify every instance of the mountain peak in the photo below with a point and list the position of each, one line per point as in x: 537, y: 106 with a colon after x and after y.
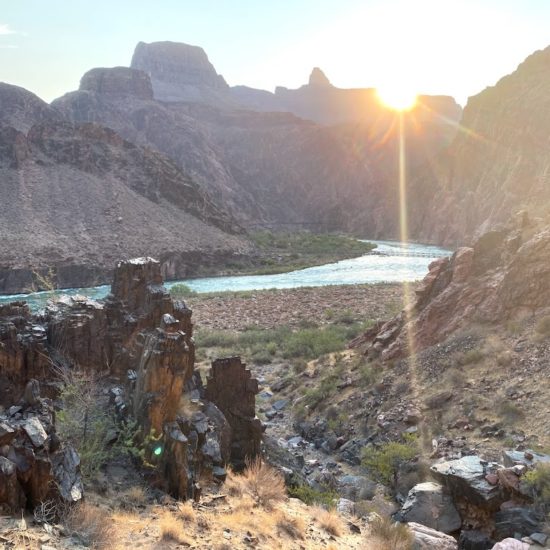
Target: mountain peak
x: 318, y: 78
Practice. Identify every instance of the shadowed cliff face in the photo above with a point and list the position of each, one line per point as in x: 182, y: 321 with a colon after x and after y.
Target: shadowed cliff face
x: 268, y: 167
x: 498, y: 164
x: 77, y: 197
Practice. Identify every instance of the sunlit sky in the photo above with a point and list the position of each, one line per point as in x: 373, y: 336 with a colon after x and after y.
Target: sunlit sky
x: 455, y: 47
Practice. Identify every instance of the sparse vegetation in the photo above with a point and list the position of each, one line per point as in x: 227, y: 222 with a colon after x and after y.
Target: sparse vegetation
x: 470, y: 357
x: 325, y: 497
x: 171, y: 529
x: 292, y: 526
x: 330, y: 521
x: 260, y: 481
x: 385, y: 534
x: 383, y: 462
x: 538, y: 482
x: 181, y: 290
x: 93, y: 526
x: 510, y: 412
x: 543, y: 326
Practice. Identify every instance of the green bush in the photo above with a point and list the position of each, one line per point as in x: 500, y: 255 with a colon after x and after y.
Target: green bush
x: 325, y: 497
x: 383, y: 462
x: 470, y: 357
x: 538, y: 481
x: 312, y: 343
x: 180, y: 290
x: 216, y: 339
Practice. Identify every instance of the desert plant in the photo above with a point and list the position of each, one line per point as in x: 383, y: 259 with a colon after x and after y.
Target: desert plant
x: 181, y: 290
x: 510, y: 412
x: 171, y: 529
x: 330, y: 521
x: 385, y: 534
x: 293, y: 526
x: 324, y: 497
x: 538, y: 483
x: 384, y: 462
x: 543, y: 326
x: 92, y: 524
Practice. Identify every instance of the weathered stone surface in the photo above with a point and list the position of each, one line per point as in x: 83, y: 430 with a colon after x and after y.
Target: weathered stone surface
x: 34, y: 429
x: 527, y: 458
x: 118, y: 82
x: 465, y: 480
x: 428, y: 504
x: 232, y: 389
x: 511, y: 521
x: 429, y: 539
x: 511, y: 544
x: 474, y: 540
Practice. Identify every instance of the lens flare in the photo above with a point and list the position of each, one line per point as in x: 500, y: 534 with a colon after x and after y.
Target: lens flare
x: 398, y: 98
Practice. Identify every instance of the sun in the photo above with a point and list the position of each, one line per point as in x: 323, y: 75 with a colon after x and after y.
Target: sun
x: 398, y: 98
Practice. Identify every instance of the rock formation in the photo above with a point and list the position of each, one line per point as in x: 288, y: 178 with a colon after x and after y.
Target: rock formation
x: 495, y: 165
x: 270, y: 167
x: 75, y: 197
x: 119, y: 81
x: 144, y: 338
x: 180, y: 72
x: 34, y: 469
x: 504, y: 274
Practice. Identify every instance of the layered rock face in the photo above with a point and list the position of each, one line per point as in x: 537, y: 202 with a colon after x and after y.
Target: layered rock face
x: 75, y: 198
x: 144, y: 338
x: 180, y: 72
x: 496, y: 164
x: 119, y: 81
x: 505, y: 273
x: 272, y: 167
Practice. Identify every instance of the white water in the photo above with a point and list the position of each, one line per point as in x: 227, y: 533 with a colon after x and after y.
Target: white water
x: 390, y: 262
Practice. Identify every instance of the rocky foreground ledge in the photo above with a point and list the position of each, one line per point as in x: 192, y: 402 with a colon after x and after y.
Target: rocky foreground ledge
x: 143, y: 340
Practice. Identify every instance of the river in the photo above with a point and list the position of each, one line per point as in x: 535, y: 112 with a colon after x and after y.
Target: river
x: 390, y: 262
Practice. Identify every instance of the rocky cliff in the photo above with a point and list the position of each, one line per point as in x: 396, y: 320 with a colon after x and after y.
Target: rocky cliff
x: 180, y: 72
x: 77, y: 197
x: 497, y: 163
x: 271, y: 167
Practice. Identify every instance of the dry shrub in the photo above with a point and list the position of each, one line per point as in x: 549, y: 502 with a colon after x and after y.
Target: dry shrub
x: 93, y: 525
x: 134, y: 497
x: 330, y: 521
x: 293, y: 526
x: 171, y: 529
x: 186, y: 511
x: 264, y: 483
x: 203, y: 523
x: 388, y: 535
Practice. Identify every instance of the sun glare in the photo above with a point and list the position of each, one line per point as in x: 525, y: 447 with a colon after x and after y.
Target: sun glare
x: 399, y: 99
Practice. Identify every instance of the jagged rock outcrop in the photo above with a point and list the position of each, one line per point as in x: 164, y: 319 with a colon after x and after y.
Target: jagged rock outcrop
x: 139, y: 335
x: 118, y: 82
x: 497, y: 163
x: 232, y: 389
x: 505, y: 273
x: 318, y: 78
x: 180, y: 72
x: 100, y: 188
x: 34, y: 468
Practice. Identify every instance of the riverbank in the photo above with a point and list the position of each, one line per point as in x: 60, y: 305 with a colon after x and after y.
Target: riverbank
x: 283, y: 252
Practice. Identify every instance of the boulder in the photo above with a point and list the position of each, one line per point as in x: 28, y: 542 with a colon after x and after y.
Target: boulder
x: 526, y: 458
x: 427, y: 503
x: 465, y: 479
x: 511, y: 544
x: 474, y: 540
x: 430, y: 539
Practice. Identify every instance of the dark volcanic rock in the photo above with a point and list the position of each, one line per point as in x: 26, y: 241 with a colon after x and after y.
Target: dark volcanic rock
x: 140, y: 334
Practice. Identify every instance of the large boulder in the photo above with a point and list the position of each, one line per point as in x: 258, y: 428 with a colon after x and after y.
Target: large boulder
x: 426, y: 538
x: 427, y: 503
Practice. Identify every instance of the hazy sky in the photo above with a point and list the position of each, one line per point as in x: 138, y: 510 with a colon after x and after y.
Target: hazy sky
x: 455, y: 47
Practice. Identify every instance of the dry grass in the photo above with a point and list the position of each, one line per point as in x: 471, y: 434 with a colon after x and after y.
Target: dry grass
x: 186, y: 512
x: 171, y: 529
x: 384, y: 534
x: 262, y: 482
x: 293, y: 526
x: 135, y: 497
x: 92, y: 524
x: 330, y: 521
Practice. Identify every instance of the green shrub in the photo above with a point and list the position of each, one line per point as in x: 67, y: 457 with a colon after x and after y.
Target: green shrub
x: 510, y: 412
x: 312, y: 343
x: 538, y: 482
x: 470, y: 357
x: 216, y: 339
x: 181, y: 290
x: 383, y: 462
x: 325, y: 497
